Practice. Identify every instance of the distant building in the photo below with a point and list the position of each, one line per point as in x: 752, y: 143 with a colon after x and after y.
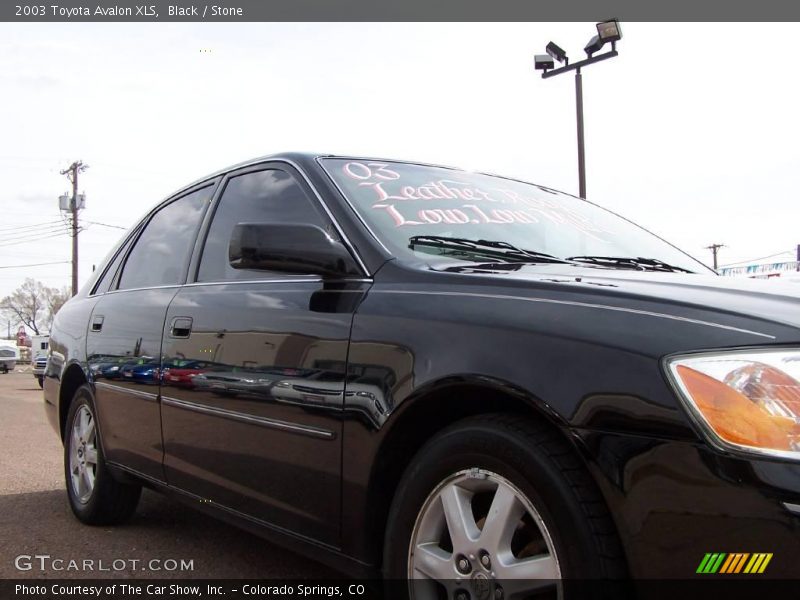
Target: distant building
x: 784, y: 270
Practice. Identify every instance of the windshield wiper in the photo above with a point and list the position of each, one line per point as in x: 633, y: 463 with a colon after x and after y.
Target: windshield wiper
x: 630, y: 262
x: 489, y: 248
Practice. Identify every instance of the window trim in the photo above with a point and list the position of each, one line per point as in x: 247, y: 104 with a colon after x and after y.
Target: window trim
x: 217, y: 180
x: 302, y: 179
x: 122, y: 248
x: 213, y: 183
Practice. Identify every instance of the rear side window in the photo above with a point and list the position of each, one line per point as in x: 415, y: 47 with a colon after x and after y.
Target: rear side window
x: 269, y: 196
x: 108, y: 277
x: 160, y: 254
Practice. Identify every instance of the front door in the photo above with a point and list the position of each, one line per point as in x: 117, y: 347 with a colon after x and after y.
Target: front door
x: 254, y: 371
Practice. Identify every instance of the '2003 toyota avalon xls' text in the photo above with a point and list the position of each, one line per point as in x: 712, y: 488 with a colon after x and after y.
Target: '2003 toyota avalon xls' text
x: 465, y: 380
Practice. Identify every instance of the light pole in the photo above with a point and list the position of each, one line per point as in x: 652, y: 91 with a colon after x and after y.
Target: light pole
x: 607, y: 31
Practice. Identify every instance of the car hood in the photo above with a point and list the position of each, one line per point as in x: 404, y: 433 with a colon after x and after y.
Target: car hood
x: 765, y: 301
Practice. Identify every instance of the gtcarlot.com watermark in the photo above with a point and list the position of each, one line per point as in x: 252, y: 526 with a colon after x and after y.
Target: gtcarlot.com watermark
x: 45, y: 562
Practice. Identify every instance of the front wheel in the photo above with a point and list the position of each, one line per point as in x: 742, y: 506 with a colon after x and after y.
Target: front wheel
x: 95, y: 496
x: 499, y: 507
x: 40, y: 379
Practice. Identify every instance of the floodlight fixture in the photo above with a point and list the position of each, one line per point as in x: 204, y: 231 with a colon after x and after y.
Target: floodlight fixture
x: 609, y: 31
x: 594, y: 45
x: 543, y: 62
x: 557, y: 52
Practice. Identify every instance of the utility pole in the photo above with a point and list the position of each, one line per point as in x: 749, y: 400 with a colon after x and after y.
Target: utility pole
x: 714, y: 249
x: 72, y: 174
x: 798, y: 257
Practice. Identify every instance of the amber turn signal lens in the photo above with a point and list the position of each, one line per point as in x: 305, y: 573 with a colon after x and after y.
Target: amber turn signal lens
x: 733, y: 416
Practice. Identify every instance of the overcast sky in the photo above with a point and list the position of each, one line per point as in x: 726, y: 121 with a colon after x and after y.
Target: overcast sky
x: 691, y: 131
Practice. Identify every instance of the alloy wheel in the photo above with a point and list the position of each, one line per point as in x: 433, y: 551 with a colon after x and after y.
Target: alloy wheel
x: 479, y: 537
x: 83, y: 454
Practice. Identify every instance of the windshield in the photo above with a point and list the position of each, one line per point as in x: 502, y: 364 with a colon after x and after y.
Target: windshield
x: 406, y: 204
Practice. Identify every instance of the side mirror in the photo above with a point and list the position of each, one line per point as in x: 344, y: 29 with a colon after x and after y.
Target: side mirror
x: 302, y: 249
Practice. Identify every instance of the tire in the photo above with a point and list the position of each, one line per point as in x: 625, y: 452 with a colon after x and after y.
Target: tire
x: 536, y: 513
x: 94, y: 495
x: 40, y: 379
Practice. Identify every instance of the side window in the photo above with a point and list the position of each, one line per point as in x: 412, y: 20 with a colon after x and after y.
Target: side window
x: 104, y: 284
x: 160, y: 254
x: 269, y: 196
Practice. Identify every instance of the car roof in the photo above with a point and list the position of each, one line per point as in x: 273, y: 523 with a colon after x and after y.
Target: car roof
x: 301, y: 159
x: 305, y: 159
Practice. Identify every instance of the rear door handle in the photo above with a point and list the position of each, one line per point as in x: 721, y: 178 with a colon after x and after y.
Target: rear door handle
x: 97, y: 323
x: 180, y: 327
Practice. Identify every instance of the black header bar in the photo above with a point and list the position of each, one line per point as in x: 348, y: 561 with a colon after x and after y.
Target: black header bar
x: 396, y: 10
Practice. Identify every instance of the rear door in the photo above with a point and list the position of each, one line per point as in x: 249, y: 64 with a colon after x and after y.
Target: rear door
x: 258, y: 429
x: 125, y: 331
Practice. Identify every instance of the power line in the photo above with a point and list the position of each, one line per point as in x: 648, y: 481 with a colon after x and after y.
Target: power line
x: 107, y: 225
x: 24, y: 235
x: 25, y: 227
x: 28, y: 234
x: 60, y: 262
x: 30, y: 230
x: 752, y: 260
x: 32, y: 239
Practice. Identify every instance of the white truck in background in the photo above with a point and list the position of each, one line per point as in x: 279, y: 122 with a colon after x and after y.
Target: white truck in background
x: 9, y: 355
x: 40, y: 345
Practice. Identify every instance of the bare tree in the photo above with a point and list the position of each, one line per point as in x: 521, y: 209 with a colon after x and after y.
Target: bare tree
x: 55, y: 300
x: 34, y: 304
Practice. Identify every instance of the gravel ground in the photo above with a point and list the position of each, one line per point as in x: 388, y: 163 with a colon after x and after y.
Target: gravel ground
x: 36, y: 520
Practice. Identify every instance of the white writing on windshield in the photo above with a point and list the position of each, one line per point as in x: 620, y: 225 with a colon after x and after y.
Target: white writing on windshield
x: 433, y: 202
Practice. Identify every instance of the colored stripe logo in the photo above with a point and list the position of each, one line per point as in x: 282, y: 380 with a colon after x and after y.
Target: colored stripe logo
x: 735, y: 562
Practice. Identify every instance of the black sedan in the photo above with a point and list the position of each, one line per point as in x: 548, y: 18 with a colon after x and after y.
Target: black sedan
x: 491, y: 388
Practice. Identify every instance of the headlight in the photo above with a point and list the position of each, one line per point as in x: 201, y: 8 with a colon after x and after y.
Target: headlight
x: 746, y: 401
